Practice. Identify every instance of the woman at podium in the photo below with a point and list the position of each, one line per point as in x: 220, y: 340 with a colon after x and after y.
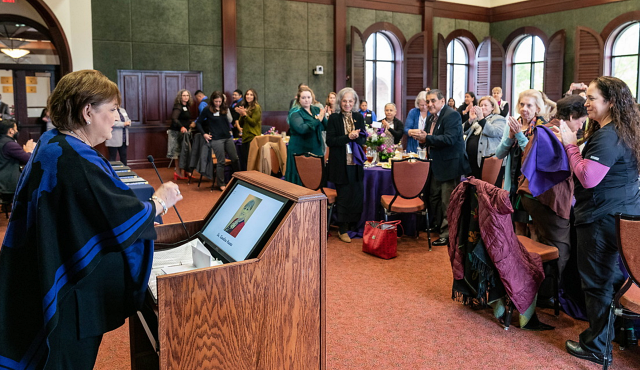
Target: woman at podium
x: 78, y: 249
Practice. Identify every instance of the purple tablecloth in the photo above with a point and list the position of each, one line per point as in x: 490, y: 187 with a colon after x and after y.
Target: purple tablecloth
x: 378, y: 182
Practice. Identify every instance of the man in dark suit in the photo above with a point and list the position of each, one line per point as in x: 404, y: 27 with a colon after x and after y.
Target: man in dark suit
x: 444, y: 142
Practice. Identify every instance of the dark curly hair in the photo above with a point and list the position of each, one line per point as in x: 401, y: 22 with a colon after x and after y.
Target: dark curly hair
x: 624, y: 112
x: 571, y: 106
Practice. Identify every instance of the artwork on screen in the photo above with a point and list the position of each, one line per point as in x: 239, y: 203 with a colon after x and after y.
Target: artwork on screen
x: 243, y: 220
x: 242, y: 215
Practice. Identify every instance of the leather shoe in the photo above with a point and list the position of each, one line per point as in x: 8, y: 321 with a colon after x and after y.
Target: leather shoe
x: 440, y: 242
x: 434, y: 229
x: 575, y: 349
x: 344, y: 237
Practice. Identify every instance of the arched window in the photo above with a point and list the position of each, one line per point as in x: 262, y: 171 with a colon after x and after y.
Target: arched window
x: 457, y: 70
x: 528, y: 67
x: 625, y: 56
x: 379, y: 72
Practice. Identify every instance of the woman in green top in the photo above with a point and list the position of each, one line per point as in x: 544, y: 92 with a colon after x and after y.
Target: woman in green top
x: 307, y: 122
x: 250, y: 121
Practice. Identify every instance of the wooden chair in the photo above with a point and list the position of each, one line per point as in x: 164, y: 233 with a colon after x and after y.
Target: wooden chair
x: 550, y: 255
x: 409, y: 178
x: 313, y: 174
x: 626, y: 302
x: 491, y: 167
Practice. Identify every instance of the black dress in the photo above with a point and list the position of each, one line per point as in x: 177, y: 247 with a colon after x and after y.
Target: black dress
x: 348, y: 178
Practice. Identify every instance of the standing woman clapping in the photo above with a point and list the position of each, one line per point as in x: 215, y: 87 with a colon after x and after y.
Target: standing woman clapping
x: 606, y: 182
x: 250, y: 120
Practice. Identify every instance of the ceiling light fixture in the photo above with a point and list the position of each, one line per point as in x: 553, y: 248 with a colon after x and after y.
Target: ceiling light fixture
x: 15, y: 53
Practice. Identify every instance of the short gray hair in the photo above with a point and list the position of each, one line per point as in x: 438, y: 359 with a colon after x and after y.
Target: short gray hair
x: 341, y: 94
x: 422, y: 95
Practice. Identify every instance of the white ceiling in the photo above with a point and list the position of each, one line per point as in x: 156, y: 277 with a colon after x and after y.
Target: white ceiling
x: 485, y: 3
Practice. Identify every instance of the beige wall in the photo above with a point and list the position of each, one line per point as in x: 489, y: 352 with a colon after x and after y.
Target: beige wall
x: 75, y: 18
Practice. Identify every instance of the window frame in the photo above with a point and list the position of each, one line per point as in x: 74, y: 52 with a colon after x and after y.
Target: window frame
x: 611, y: 33
x: 372, y: 103
x: 451, y: 67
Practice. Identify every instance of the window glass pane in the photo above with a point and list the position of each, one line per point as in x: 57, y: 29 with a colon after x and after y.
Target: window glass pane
x: 539, y: 50
x: 385, y: 51
x: 626, y: 69
x: 450, y: 52
x: 627, y: 41
x: 460, y: 53
x: 521, y: 81
x: 538, y: 76
x: 384, y: 88
x: 369, y: 47
x: 369, y: 82
x: 523, y: 51
x: 459, y: 83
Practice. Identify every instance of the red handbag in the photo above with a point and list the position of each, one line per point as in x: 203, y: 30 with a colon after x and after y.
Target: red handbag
x: 381, y: 238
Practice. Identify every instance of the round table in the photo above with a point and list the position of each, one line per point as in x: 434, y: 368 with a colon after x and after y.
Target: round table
x: 378, y: 182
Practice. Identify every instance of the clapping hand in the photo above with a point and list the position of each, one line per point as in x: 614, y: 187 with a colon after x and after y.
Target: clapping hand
x: 564, y: 134
x: 354, y: 134
x: 320, y: 115
x: 29, y: 146
x: 477, y: 111
x: 514, y: 127
x: 468, y: 108
x: 241, y: 111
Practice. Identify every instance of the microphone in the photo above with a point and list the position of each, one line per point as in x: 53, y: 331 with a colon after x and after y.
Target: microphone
x: 152, y: 160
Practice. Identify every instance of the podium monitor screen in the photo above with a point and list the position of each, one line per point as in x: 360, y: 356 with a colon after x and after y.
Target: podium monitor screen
x: 244, y: 221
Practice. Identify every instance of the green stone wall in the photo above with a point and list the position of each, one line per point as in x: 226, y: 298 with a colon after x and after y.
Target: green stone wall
x: 279, y: 44
x: 595, y: 17
x: 182, y: 35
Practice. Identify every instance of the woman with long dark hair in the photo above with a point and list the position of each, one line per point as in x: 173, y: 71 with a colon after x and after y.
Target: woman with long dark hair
x: 214, y: 124
x: 180, y: 122
x: 606, y: 183
x: 468, y: 104
x: 250, y: 120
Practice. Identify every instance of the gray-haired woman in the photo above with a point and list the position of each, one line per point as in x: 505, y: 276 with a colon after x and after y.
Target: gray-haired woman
x: 345, y: 162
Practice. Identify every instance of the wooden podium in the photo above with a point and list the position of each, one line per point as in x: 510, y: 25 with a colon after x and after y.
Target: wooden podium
x: 262, y: 313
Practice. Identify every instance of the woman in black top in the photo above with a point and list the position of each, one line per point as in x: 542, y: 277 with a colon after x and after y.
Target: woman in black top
x: 180, y: 121
x: 469, y: 102
x: 393, y: 127
x: 345, y: 170
x: 606, y: 183
x: 215, y: 123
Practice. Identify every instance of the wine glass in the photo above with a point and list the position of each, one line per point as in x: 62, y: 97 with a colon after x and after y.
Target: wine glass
x: 369, y: 157
x: 422, y: 153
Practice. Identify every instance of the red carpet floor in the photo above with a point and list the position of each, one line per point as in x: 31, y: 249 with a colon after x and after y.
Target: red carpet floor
x: 398, y: 314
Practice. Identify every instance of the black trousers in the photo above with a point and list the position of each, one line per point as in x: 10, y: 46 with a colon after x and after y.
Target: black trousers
x: 439, y: 196
x: 350, y: 198
x: 551, y: 230
x: 601, y: 277
x: 122, y: 150
x: 245, y: 155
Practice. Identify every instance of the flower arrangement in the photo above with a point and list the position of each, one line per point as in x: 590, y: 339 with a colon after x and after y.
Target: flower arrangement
x: 375, y: 137
x: 386, y: 151
x: 272, y: 131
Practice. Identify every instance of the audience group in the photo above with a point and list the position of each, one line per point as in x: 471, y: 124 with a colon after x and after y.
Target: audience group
x: 587, y: 145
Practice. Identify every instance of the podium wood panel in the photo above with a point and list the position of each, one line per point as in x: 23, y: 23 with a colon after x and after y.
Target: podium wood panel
x: 262, y: 313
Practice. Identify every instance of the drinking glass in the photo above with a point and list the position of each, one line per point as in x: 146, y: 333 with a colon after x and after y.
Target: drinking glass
x: 422, y: 153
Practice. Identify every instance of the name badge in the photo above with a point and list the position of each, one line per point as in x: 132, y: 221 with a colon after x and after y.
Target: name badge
x: 376, y: 124
x: 216, y: 114
x: 349, y: 149
x: 184, y: 109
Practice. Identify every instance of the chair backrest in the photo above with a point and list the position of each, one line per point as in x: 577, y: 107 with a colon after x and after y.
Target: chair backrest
x: 409, y: 176
x: 310, y: 169
x: 628, y: 231
x: 491, y: 169
x: 275, y: 162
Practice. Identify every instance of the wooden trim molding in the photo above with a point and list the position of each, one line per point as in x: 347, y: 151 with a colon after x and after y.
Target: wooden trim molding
x: 613, y: 28
x: 229, y: 49
x: 459, y: 11
x: 518, y: 33
x: 539, y: 7
x: 340, y: 44
x: 462, y: 33
x: 58, y: 37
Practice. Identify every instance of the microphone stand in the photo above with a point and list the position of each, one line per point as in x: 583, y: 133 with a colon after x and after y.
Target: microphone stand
x: 152, y: 160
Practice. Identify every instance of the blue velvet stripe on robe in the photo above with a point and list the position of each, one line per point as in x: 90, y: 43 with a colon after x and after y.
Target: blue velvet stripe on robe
x: 70, y: 210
